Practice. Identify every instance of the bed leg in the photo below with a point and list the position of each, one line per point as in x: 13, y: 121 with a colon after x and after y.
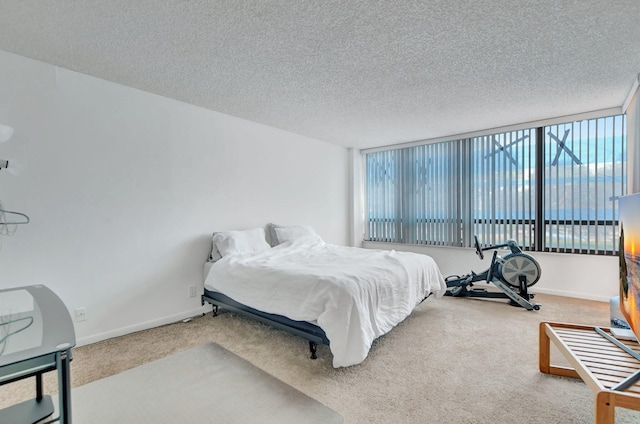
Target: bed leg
x: 215, y: 310
x: 313, y: 347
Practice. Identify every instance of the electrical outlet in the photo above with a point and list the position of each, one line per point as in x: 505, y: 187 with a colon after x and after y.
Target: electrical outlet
x: 192, y: 291
x: 81, y: 314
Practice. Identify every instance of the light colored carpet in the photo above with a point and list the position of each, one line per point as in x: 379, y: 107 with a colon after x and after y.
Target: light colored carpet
x: 205, y: 384
x: 453, y: 361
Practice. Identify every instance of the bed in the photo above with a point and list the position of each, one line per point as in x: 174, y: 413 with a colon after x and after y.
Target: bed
x: 346, y: 297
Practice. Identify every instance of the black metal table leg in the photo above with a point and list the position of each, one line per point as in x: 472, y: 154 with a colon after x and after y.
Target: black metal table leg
x: 38, y: 387
x: 65, y: 387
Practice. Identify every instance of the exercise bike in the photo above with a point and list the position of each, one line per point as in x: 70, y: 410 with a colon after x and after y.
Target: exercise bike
x: 516, y: 270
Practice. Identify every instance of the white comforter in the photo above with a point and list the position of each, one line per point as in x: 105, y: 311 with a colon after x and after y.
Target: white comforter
x: 355, y: 295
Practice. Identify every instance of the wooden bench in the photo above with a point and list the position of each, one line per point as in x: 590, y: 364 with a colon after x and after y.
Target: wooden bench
x: 601, y: 364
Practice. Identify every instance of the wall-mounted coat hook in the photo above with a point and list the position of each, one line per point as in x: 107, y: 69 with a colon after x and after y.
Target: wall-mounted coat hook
x: 3, y: 221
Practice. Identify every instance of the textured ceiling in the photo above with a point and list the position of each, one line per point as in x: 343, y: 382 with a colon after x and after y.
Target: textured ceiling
x: 352, y: 72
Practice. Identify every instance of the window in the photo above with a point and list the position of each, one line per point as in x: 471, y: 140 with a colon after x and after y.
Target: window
x: 504, y: 181
x: 584, y: 176
x: 552, y: 188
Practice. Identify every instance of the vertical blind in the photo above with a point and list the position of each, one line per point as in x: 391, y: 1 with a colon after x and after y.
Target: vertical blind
x: 412, y: 195
x: 557, y: 184
x: 503, y: 178
x: 584, y: 177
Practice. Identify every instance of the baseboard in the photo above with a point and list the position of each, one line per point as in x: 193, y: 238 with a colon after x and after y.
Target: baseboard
x: 95, y: 338
x: 564, y: 293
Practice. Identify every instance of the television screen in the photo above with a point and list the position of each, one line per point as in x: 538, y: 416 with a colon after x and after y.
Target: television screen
x: 629, y: 217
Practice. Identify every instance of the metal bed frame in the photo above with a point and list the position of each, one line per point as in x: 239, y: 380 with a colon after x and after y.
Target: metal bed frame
x: 314, y: 334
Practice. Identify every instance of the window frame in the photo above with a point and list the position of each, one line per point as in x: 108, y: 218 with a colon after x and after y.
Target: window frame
x: 538, y: 238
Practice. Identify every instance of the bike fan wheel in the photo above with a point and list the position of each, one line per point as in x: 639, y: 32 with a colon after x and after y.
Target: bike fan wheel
x: 519, y: 264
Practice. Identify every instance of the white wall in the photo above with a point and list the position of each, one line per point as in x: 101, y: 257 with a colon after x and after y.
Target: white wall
x: 633, y: 137
x: 582, y: 276
x: 123, y: 189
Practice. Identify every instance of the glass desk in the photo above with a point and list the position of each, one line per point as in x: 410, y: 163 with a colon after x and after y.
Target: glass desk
x: 36, y: 336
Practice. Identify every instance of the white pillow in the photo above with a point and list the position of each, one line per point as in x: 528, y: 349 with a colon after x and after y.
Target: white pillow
x: 241, y: 241
x: 292, y: 232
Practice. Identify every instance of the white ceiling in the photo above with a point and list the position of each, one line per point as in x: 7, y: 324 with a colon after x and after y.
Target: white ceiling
x: 352, y: 72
